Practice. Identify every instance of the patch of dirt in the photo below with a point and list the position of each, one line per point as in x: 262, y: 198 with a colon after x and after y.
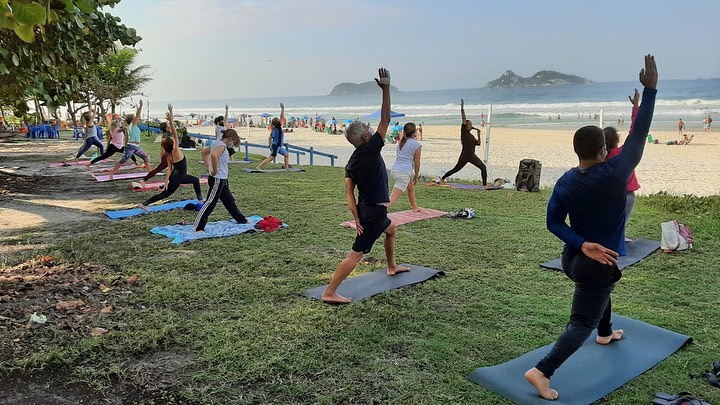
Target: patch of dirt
x: 74, y: 300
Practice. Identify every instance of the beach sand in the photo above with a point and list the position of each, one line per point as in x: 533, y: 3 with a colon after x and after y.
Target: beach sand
x: 678, y: 170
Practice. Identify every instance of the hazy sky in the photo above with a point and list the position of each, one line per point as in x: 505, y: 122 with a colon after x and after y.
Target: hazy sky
x: 216, y: 49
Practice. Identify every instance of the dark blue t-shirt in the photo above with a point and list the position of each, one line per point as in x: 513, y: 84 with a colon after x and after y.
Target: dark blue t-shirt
x: 594, y: 198
x: 366, y: 168
x: 277, y: 137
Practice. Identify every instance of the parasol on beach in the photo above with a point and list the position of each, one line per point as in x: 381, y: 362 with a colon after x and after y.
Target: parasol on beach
x: 348, y: 121
x: 331, y: 122
x: 376, y: 115
x: 265, y: 115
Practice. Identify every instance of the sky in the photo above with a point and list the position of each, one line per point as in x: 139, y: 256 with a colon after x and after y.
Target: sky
x: 221, y: 49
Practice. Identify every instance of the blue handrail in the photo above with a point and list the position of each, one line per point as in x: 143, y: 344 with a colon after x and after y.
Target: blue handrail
x: 313, y: 152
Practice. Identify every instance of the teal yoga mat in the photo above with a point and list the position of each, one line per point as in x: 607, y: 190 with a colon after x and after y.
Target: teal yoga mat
x: 636, y: 250
x: 369, y: 284
x: 592, y: 372
x: 120, y: 214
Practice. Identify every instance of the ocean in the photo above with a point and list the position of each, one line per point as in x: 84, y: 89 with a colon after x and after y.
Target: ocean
x: 576, y: 105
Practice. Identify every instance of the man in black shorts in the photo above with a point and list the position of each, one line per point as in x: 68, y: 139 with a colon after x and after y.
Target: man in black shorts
x: 366, y: 170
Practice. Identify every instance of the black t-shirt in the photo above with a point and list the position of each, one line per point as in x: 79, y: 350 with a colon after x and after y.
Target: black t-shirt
x: 468, y: 140
x: 366, y: 168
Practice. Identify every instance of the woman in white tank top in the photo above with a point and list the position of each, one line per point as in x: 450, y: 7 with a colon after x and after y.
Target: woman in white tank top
x: 406, y: 169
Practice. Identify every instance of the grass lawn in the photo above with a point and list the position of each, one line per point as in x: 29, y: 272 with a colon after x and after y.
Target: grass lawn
x: 228, y: 316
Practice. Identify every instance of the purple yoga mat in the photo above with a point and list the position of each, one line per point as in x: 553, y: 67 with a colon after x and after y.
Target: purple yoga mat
x: 120, y: 176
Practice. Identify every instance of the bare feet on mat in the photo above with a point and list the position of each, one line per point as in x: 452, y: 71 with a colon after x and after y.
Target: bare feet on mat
x: 142, y: 183
x: 391, y: 271
x: 541, y: 383
x: 145, y: 207
x: 335, y: 298
x: 417, y: 209
x: 605, y: 340
x: 110, y: 177
x: 442, y: 182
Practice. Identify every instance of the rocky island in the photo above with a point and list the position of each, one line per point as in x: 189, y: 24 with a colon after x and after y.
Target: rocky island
x: 541, y: 78
x: 349, y: 89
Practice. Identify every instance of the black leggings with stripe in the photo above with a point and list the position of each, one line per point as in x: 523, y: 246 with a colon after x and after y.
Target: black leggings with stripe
x: 219, y: 190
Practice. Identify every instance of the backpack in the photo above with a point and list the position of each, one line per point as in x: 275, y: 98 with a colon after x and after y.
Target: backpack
x: 528, y: 176
x: 675, y: 236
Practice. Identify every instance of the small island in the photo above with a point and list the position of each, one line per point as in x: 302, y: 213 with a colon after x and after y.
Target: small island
x: 541, y: 78
x: 349, y: 89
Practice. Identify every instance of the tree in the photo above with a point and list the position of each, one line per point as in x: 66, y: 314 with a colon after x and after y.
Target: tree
x: 47, y: 47
x: 114, y: 78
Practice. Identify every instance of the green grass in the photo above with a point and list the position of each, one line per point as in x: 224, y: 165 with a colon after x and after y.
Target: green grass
x: 232, y: 306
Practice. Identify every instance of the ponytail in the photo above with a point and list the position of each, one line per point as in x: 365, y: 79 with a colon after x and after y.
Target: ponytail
x: 408, y: 132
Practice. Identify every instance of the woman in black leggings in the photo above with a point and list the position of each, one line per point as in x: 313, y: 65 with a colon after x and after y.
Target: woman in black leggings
x: 176, y: 160
x: 467, y: 155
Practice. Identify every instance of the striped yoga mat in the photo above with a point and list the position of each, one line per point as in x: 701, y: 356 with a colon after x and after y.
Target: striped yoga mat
x: 405, y: 217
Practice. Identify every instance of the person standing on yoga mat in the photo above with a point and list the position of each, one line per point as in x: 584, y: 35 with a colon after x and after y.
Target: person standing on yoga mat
x: 116, y: 142
x: 177, y: 161
x: 406, y: 169
x: 132, y: 143
x: 467, y: 155
x: 366, y: 170
x: 162, y: 165
x: 276, y: 141
x: 220, y: 128
x: 216, y: 159
x: 593, y: 195
x: 91, y: 137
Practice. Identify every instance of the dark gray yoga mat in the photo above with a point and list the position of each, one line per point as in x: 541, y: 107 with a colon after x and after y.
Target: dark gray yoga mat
x: 369, y: 284
x: 592, y: 372
x: 636, y: 250
x: 292, y: 169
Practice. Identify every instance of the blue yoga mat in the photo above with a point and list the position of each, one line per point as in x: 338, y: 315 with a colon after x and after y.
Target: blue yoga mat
x: 292, y: 169
x: 592, y: 372
x: 153, y: 208
x: 636, y: 250
x: 219, y: 229
x: 369, y: 284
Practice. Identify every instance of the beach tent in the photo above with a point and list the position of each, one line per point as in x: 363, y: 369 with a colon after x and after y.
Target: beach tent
x: 376, y: 115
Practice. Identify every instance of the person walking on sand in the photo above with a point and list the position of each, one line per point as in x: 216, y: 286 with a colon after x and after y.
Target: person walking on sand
x: 406, y: 170
x: 706, y: 123
x: 177, y: 161
x: 467, y: 155
x: 366, y: 170
x: 593, y: 195
x: 276, y: 141
x: 680, y: 126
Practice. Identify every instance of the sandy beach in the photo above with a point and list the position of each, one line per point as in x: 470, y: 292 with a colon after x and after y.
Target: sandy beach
x: 678, y: 170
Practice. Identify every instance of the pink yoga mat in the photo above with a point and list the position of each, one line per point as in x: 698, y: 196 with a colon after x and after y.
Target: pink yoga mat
x: 74, y: 163
x: 135, y: 186
x: 121, y: 168
x: 405, y: 217
x: 122, y: 176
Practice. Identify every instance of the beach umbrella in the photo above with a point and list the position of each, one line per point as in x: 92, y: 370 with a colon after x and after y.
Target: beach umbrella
x: 265, y: 115
x: 348, y: 121
x: 376, y: 115
x: 304, y: 117
x: 332, y: 122
x: 398, y: 128
x: 232, y: 120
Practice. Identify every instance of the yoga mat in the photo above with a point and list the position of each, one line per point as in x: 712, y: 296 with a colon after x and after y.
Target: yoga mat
x: 233, y: 162
x: 592, y: 372
x: 292, y: 169
x: 636, y: 250
x: 73, y: 163
x: 121, y: 168
x: 136, y: 186
x: 369, y: 284
x: 219, y: 229
x: 121, y: 176
x: 464, y: 186
x: 405, y: 217
x: 120, y: 214
x: 188, y: 148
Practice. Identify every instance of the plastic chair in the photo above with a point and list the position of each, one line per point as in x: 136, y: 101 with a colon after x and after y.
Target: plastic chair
x: 99, y: 132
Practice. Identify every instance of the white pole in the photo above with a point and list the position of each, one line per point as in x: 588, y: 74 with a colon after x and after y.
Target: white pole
x: 487, y: 134
x: 602, y: 112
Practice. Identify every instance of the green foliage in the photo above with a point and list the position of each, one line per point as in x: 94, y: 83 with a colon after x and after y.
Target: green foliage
x: 113, y: 78
x: 47, y: 46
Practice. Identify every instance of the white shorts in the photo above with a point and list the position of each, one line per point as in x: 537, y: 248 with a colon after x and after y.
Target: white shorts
x: 401, y: 179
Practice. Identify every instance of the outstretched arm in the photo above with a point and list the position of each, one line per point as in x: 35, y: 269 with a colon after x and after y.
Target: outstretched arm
x: 136, y: 118
x: 383, y: 81
x: 462, y: 111
x: 225, y: 118
x: 282, y: 113
x: 632, y: 150
x: 171, y: 125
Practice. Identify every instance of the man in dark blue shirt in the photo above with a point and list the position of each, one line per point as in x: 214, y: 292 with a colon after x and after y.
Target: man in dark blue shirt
x: 593, y: 196
x: 366, y: 170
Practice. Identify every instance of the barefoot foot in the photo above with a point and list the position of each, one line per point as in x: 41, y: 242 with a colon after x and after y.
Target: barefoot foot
x: 541, y: 383
x: 606, y: 340
x: 335, y: 298
x: 391, y: 271
x: 417, y: 209
x: 145, y: 207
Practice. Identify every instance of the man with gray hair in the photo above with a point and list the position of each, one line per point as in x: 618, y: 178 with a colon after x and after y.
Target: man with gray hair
x: 366, y: 170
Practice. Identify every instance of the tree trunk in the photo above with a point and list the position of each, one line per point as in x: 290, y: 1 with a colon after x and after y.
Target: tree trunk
x: 72, y: 112
x: 112, y: 107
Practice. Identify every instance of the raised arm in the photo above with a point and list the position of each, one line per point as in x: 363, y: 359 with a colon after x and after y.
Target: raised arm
x: 282, y: 113
x: 383, y: 81
x: 225, y: 118
x: 462, y: 111
x: 136, y: 118
x: 632, y: 150
x: 171, y: 126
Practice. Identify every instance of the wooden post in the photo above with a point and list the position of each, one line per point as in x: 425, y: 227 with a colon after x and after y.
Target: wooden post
x: 487, y: 135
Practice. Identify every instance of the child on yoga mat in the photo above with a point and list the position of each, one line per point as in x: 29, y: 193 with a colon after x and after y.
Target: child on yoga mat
x: 177, y: 161
x: 467, y: 154
x: 612, y: 139
x: 366, y: 170
x: 216, y: 158
x: 276, y: 141
x: 593, y: 195
x: 406, y: 169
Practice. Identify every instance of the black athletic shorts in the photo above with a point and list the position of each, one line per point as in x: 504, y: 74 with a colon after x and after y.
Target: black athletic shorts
x: 374, y: 221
